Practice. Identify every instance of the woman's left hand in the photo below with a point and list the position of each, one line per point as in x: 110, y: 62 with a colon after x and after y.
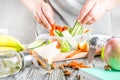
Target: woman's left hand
x: 92, y: 11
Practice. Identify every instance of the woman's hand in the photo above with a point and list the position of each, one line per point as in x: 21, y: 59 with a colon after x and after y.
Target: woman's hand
x: 91, y: 11
x: 43, y: 14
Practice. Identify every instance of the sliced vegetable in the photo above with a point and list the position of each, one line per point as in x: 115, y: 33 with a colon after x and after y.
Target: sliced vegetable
x: 58, y: 33
x: 71, y: 41
x: 64, y: 46
x: 77, y: 29
x: 57, y: 27
x: 37, y: 43
x: 73, y: 53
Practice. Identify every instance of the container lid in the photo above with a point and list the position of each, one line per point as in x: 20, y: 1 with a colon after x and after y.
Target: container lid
x: 27, y: 58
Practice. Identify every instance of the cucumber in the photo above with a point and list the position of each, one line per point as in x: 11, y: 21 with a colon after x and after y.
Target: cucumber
x: 37, y: 43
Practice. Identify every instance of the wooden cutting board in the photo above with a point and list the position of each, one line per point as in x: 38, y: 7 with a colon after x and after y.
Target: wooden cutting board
x: 62, y: 56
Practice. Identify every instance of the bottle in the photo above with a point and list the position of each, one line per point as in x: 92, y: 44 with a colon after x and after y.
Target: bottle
x: 12, y: 62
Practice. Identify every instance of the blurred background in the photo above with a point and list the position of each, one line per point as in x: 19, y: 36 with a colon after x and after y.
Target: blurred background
x: 115, y: 20
x: 13, y: 14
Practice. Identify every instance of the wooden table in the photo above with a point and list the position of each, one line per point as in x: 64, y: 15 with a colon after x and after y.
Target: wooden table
x: 35, y: 73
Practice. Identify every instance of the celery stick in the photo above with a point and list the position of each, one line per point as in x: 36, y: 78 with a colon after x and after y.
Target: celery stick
x: 58, y: 33
x: 64, y: 47
x: 71, y: 41
x: 76, y: 29
x: 64, y: 44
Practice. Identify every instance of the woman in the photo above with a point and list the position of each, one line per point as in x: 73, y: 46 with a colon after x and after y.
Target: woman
x: 66, y: 12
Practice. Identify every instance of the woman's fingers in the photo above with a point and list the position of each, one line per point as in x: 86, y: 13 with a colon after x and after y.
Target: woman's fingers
x: 92, y: 14
x: 44, y: 21
x: 48, y: 13
x: 36, y: 17
x: 96, y: 17
x: 90, y: 22
x: 43, y: 14
x: 85, y: 10
x: 92, y: 11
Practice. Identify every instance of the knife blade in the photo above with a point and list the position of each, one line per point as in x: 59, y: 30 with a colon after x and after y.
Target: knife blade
x: 91, y: 53
x: 96, y: 42
x: 92, y: 49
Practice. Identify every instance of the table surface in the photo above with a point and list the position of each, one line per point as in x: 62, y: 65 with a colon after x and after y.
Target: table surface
x: 36, y: 73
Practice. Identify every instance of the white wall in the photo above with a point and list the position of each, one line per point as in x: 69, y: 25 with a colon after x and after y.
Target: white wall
x: 116, y: 20
x: 18, y: 19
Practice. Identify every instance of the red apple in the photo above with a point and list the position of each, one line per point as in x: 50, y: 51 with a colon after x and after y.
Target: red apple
x: 112, y: 53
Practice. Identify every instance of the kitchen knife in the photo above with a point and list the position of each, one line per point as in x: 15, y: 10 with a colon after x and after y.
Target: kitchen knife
x: 91, y: 53
x: 92, y: 49
x: 97, y: 41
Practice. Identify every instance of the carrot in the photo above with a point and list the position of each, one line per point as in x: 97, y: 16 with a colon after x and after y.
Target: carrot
x: 58, y: 27
x: 52, y: 29
x: 58, y: 45
x: 86, y: 30
x: 65, y: 27
x: 53, y: 26
x: 83, y: 66
x: 51, y: 32
x: 75, y: 64
x: 73, y: 53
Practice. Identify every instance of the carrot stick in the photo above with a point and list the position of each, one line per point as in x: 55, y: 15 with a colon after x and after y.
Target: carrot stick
x: 65, y: 27
x: 86, y: 30
x: 52, y: 29
x: 58, y: 45
x: 58, y: 27
x: 73, y: 53
x: 83, y: 66
x: 53, y: 26
x: 51, y: 32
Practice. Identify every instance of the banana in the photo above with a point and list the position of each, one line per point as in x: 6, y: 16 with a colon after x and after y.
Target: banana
x: 9, y: 41
x: 9, y: 48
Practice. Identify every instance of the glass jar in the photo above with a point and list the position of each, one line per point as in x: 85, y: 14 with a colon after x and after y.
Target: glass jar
x: 12, y: 62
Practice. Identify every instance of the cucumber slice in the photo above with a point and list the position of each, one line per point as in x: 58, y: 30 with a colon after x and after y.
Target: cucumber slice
x: 37, y: 43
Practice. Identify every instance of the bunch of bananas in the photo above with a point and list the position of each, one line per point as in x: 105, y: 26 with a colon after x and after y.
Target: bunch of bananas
x: 10, y: 43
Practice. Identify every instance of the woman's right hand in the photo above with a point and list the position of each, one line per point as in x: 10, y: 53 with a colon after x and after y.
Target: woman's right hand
x: 43, y: 14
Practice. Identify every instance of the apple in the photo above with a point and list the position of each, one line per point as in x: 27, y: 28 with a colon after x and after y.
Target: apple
x: 112, y: 53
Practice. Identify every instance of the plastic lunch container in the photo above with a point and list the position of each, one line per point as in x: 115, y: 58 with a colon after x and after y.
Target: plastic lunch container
x: 67, y: 43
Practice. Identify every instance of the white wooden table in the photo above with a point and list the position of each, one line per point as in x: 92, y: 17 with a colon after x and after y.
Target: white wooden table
x: 33, y: 73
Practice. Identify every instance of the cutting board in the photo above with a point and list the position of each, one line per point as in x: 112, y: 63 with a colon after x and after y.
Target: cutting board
x: 103, y: 74
x: 62, y: 56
